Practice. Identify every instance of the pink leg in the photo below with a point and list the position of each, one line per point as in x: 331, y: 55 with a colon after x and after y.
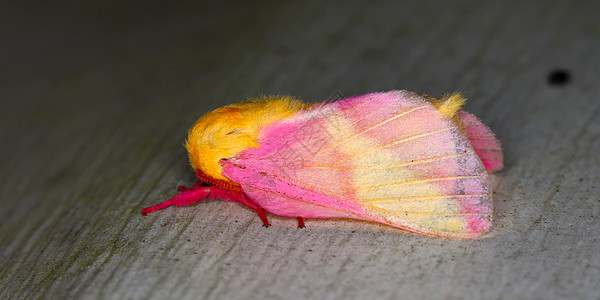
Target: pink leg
x: 196, y: 193
x: 301, y: 222
x: 192, y: 195
x: 188, y: 196
x: 243, y: 198
x: 263, y: 217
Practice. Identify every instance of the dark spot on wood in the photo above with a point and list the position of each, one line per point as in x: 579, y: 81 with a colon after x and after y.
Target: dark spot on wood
x: 559, y: 77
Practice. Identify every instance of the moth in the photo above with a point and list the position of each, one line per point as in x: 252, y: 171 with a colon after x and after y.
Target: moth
x: 399, y: 158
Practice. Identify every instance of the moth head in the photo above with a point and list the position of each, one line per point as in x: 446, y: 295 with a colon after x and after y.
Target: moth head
x: 229, y: 130
x: 218, y: 135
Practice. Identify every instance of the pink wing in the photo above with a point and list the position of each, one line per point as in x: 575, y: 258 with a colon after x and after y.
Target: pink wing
x: 483, y: 140
x: 384, y: 157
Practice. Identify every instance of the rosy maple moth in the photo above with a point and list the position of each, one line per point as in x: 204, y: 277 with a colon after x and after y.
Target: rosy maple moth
x: 399, y: 158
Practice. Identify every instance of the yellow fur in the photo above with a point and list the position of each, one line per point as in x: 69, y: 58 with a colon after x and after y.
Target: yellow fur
x: 449, y: 105
x: 231, y: 129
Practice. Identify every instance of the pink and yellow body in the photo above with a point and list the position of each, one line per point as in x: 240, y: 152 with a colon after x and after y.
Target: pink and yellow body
x: 398, y: 158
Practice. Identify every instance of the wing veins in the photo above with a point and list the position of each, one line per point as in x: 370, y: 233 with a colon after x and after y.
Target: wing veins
x: 413, y: 137
x: 446, y: 215
x: 427, y: 197
x: 376, y: 125
x: 425, y: 180
x: 413, y: 162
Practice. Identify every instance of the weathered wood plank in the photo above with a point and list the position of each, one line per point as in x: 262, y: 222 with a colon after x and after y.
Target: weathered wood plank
x: 96, y: 102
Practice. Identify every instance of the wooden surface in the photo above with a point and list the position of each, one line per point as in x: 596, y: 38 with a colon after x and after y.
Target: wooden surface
x: 96, y: 101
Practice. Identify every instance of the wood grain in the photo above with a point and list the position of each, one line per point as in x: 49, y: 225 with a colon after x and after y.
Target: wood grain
x: 96, y: 100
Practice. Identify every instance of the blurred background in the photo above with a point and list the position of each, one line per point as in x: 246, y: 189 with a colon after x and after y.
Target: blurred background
x: 96, y: 98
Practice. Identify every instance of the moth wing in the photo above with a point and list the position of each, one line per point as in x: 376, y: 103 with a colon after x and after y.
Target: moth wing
x: 385, y: 157
x: 483, y: 141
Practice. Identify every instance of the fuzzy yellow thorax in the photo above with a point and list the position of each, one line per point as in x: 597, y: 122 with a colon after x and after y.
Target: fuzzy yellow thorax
x: 228, y: 130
